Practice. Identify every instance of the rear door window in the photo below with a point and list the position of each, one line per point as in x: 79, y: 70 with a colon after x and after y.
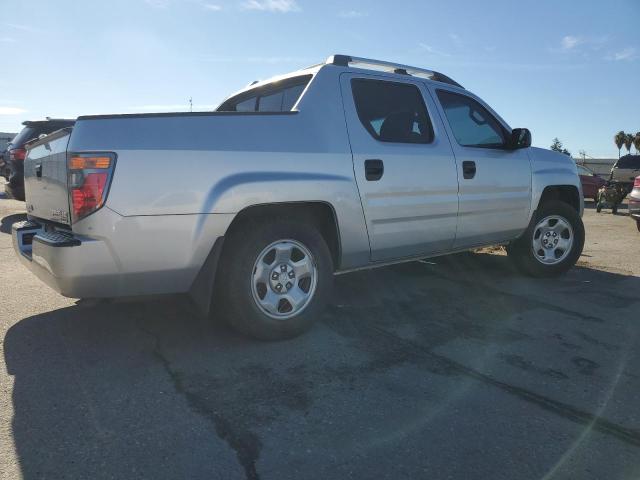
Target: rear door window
x: 391, y: 111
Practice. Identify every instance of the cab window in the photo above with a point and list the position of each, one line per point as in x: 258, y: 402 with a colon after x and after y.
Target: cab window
x: 391, y: 111
x: 472, y: 124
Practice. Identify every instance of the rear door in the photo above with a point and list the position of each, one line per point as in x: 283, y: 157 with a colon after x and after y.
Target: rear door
x: 45, y: 178
x: 495, y: 183
x: 403, y: 164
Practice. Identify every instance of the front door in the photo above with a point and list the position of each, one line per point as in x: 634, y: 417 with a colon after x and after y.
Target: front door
x: 495, y: 182
x: 404, y: 166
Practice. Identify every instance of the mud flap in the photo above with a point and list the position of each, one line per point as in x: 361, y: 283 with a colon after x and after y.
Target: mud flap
x: 201, y: 291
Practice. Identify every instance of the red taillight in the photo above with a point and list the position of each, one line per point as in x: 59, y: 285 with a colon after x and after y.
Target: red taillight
x: 18, y: 154
x: 636, y: 183
x: 89, y: 196
x: 89, y: 176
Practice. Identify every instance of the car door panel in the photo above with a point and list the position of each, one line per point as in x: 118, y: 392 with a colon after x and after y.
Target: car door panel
x: 495, y: 201
x: 411, y: 209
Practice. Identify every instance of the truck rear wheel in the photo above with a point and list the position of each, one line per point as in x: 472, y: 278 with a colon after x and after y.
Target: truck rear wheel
x: 275, y: 279
x: 553, y: 242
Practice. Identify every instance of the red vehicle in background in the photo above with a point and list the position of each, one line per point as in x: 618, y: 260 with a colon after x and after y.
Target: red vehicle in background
x: 590, y: 183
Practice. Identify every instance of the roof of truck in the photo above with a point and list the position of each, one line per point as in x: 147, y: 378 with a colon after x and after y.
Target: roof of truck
x: 388, y: 67
x: 355, y: 63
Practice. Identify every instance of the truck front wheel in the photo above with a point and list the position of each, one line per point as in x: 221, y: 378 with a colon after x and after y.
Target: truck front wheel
x: 275, y: 279
x: 552, y: 243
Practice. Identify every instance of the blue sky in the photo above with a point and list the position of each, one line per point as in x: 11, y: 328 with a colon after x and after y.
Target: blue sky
x: 562, y: 68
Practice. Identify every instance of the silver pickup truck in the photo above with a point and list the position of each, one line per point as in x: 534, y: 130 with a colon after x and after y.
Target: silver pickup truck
x: 251, y: 209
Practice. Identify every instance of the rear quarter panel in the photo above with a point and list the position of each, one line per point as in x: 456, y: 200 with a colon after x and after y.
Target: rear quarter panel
x: 221, y: 163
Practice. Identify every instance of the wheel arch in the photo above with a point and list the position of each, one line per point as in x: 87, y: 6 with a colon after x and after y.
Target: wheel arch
x: 320, y: 212
x: 568, y: 194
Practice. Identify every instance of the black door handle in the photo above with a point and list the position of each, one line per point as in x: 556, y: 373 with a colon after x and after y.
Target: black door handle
x: 39, y: 170
x: 468, y: 169
x: 373, y: 170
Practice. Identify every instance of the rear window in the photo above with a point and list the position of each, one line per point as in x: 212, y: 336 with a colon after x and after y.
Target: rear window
x: 275, y: 97
x: 24, y: 136
x: 392, y: 112
x: 629, y: 161
x: 34, y: 130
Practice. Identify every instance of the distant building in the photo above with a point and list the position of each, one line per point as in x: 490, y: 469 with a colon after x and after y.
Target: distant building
x: 4, y: 139
x: 600, y: 166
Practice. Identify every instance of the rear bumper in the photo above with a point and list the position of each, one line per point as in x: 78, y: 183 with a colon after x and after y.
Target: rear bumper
x: 108, y: 255
x: 63, y: 261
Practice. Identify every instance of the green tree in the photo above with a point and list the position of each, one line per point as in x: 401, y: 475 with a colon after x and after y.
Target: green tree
x: 557, y: 146
x: 628, y: 141
x: 636, y: 142
x: 618, y: 139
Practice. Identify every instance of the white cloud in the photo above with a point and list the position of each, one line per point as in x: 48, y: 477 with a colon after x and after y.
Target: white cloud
x: 352, y: 14
x: 265, y: 60
x: 24, y: 28
x: 433, y: 51
x: 570, y: 42
x: 157, y: 3
x: 11, y: 110
x: 212, y: 7
x: 282, y: 6
x: 627, y: 54
x: 455, y: 38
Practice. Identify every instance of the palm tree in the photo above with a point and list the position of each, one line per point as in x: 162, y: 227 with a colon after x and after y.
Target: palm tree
x: 619, y: 140
x: 636, y: 142
x: 628, y: 141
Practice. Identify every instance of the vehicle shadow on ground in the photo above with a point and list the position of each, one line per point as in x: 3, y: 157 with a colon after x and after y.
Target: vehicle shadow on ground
x: 9, y: 220
x: 146, y: 389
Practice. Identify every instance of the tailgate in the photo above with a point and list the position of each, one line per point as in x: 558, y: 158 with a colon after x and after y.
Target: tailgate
x: 45, y: 177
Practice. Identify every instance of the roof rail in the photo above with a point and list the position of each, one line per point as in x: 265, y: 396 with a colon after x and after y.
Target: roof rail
x: 390, y: 67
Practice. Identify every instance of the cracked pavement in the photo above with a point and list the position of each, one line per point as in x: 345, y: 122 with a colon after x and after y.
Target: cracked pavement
x: 457, y: 367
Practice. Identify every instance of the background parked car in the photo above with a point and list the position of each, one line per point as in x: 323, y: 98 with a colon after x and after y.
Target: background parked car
x: 4, y: 165
x: 626, y: 169
x: 591, y: 183
x: 634, y: 202
x: 16, y: 151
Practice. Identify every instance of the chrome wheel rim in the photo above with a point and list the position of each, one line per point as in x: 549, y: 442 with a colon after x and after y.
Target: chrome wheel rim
x: 552, y: 240
x: 284, y: 279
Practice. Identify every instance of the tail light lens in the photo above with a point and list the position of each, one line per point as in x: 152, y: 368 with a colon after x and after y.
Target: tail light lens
x: 636, y: 183
x: 89, y: 179
x: 18, y: 154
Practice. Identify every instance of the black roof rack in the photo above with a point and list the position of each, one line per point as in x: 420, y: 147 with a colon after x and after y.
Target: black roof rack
x: 381, y: 65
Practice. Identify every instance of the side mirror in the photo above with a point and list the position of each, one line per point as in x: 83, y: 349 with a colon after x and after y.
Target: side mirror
x: 520, y: 138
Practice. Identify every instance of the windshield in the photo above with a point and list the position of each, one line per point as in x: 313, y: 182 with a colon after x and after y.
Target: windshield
x: 629, y: 161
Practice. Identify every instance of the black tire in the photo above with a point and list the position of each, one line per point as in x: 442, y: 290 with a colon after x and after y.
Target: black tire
x: 638, y: 224
x: 521, y: 252
x: 241, y: 251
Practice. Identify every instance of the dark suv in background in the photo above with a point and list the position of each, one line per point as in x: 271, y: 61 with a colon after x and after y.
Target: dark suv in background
x: 16, y: 152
